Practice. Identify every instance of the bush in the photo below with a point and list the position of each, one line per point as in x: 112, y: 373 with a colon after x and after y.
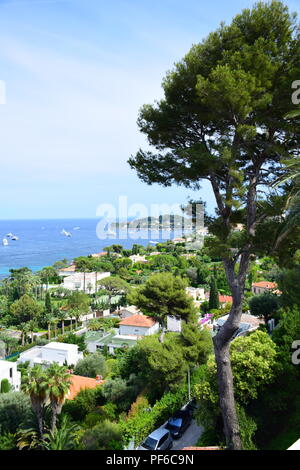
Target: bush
x: 15, y: 409
x: 91, y: 365
x: 103, y: 436
x: 5, y: 386
x: 139, y: 426
x: 85, y: 402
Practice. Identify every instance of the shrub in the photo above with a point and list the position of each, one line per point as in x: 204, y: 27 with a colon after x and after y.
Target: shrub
x: 103, y: 436
x: 91, y: 365
x: 5, y: 386
x: 15, y: 409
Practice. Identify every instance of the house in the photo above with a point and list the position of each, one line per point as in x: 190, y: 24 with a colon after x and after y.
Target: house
x: 138, y: 325
x: 138, y: 259
x: 126, y: 312
x: 79, y: 383
x: 225, y: 299
x: 206, y: 321
x: 248, y: 324
x: 8, y: 370
x: 98, y: 340
x: 79, y: 280
x: 62, y: 353
x: 263, y: 286
x: 197, y: 293
x: 99, y: 255
x: 173, y: 324
x: 67, y: 271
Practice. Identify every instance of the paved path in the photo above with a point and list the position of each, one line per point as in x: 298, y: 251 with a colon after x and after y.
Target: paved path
x: 189, y: 438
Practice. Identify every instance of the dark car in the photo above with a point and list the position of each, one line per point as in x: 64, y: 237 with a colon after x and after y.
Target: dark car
x: 179, y: 423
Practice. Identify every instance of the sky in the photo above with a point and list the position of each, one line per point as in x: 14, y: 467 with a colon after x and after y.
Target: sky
x: 76, y: 73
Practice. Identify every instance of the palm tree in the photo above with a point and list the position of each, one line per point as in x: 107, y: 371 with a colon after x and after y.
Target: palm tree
x: 24, y: 328
x: 61, y: 316
x: 77, y: 315
x: 49, y: 319
x: 31, y: 328
x: 36, y: 385
x: 59, y: 386
x: 62, y: 438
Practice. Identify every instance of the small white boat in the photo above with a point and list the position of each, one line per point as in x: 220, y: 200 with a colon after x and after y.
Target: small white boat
x: 65, y: 233
x: 76, y: 228
x: 10, y: 235
x: 14, y: 237
x: 4, y: 242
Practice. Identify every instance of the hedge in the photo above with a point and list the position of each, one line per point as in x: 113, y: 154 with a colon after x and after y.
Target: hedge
x: 144, y: 422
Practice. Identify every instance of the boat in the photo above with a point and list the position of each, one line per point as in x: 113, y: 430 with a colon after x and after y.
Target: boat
x: 76, y: 228
x: 65, y: 233
x: 4, y: 242
x: 10, y: 235
x: 14, y: 237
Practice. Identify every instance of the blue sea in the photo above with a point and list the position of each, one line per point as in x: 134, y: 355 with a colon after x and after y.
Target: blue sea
x: 41, y: 243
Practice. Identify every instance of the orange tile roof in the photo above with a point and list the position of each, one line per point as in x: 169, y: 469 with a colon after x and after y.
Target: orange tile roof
x: 138, y: 320
x: 80, y: 383
x: 224, y: 299
x: 265, y: 284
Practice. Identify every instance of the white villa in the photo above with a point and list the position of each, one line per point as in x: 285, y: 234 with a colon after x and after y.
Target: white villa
x: 138, y: 259
x: 138, y: 325
x: 197, y: 293
x: 126, y: 312
x: 62, y: 353
x: 8, y: 370
x: 76, y: 281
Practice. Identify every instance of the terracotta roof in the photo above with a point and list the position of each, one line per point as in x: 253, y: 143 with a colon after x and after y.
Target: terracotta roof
x: 98, y: 255
x: 138, y: 320
x: 265, y: 284
x: 79, y: 383
x: 69, y: 268
x: 224, y: 299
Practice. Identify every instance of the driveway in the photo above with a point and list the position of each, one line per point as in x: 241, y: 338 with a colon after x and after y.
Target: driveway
x: 189, y: 438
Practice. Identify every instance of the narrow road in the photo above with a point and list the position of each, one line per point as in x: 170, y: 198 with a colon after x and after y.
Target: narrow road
x: 189, y: 438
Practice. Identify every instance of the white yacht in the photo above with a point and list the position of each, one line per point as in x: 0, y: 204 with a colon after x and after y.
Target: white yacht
x: 9, y: 235
x: 4, y: 242
x: 64, y: 232
x: 14, y: 237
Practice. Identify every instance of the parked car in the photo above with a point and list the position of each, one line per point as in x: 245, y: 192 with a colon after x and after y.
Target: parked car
x: 179, y: 422
x: 160, y: 439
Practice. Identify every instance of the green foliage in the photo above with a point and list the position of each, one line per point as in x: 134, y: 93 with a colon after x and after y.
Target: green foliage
x: 5, y: 386
x: 163, y: 295
x: 85, y: 402
x: 264, y: 305
x: 287, y: 282
x: 103, y: 436
x: 15, y: 410
x: 25, y: 309
x: 71, y: 338
x: 247, y: 429
x: 288, y: 330
x: 91, y: 365
x: 213, y: 295
x: 196, y: 343
x: 48, y: 306
x: 8, y: 441
x: 137, y: 427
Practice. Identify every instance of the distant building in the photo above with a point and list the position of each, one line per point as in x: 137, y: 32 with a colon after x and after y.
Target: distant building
x: 126, y: 312
x: 99, y: 255
x: 138, y: 325
x: 248, y: 324
x: 173, y: 324
x: 8, y: 370
x: 197, y: 293
x: 138, y: 259
x: 263, y: 286
x: 67, y: 271
x: 62, y: 353
x: 77, y: 280
x: 225, y: 299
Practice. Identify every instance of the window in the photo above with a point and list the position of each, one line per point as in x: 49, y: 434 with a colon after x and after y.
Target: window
x: 163, y: 439
x: 10, y: 372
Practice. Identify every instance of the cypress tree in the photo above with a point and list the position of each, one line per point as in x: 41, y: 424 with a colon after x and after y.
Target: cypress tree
x: 5, y: 386
x: 48, y: 306
x: 213, y: 295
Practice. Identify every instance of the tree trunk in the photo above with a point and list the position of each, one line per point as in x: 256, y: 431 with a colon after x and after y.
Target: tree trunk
x: 49, y: 332
x: 63, y: 327
x: 222, y: 351
x: 23, y: 338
